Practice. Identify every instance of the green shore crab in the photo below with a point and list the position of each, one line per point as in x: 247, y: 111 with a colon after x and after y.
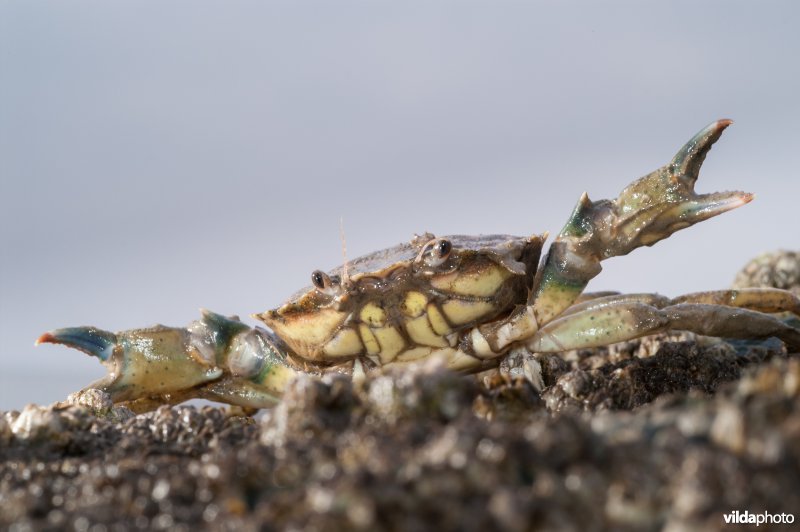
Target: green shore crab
x: 465, y: 300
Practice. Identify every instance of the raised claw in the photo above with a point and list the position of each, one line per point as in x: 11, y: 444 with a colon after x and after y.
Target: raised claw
x: 646, y: 211
x: 172, y: 364
x: 655, y: 206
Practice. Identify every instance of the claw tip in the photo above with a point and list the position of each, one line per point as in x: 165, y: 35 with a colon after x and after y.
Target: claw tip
x: 46, y: 338
x: 91, y: 341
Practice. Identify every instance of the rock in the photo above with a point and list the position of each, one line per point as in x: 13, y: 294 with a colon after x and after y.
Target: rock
x: 669, y: 432
x: 779, y: 269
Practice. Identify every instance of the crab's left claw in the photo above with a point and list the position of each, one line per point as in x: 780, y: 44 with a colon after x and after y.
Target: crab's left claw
x: 655, y: 206
x: 646, y: 211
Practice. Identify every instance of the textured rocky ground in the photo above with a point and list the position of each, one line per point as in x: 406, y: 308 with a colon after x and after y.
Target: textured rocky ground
x: 671, y: 432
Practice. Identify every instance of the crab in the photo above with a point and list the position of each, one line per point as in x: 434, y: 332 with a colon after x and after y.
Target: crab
x: 465, y: 300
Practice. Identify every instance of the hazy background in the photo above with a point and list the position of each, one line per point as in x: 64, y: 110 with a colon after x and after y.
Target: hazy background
x: 160, y: 157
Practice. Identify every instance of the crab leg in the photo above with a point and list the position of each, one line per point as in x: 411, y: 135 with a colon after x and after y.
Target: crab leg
x: 654, y: 300
x: 215, y: 357
x: 586, y: 296
x: 646, y: 211
x: 768, y: 300
x: 626, y: 320
x: 615, y: 318
x: 621, y: 317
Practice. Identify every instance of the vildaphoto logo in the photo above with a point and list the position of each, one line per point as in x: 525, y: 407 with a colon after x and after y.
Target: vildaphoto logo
x: 746, y: 518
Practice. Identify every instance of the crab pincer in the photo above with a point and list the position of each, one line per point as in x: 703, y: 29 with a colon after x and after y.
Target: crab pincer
x: 648, y: 210
x: 214, y: 357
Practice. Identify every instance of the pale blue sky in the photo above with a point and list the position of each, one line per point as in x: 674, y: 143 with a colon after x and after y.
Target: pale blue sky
x: 158, y: 157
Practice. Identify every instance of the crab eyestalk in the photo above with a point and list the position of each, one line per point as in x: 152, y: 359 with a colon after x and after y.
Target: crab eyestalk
x: 645, y: 212
x: 215, y: 357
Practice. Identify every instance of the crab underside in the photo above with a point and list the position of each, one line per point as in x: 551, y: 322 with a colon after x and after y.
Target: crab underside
x: 467, y: 301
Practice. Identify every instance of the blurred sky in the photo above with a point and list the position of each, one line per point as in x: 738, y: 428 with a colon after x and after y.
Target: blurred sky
x: 158, y: 157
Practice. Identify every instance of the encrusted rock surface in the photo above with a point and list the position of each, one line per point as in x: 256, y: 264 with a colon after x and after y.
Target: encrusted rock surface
x: 779, y: 269
x: 669, y: 433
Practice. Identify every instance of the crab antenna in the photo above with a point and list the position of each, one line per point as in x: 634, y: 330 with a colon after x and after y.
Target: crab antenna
x: 345, y: 276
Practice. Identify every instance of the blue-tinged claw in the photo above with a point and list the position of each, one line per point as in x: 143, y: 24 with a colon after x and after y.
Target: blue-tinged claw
x: 142, y: 363
x: 172, y: 364
x: 95, y: 342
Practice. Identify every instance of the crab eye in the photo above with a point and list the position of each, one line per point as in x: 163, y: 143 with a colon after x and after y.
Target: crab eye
x: 443, y: 248
x: 320, y: 280
x: 331, y: 286
x: 436, y: 252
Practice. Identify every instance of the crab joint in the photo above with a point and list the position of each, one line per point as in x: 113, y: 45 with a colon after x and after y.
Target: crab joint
x: 493, y: 339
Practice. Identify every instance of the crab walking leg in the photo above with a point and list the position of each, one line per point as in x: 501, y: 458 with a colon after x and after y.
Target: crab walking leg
x: 214, y: 357
x: 646, y: 211
x: 626, y: 320
x: 586, y: 296
x: 490, y: 340
x: 616, y: 323
x: 654, y: 300
x: 147, y: 404
x: 245, y: 393
x: 731, y: 322
x: 768, y: 300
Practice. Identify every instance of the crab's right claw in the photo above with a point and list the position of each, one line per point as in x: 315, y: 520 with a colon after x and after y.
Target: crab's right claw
x: 215, y: 357
x: 142, y: 363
